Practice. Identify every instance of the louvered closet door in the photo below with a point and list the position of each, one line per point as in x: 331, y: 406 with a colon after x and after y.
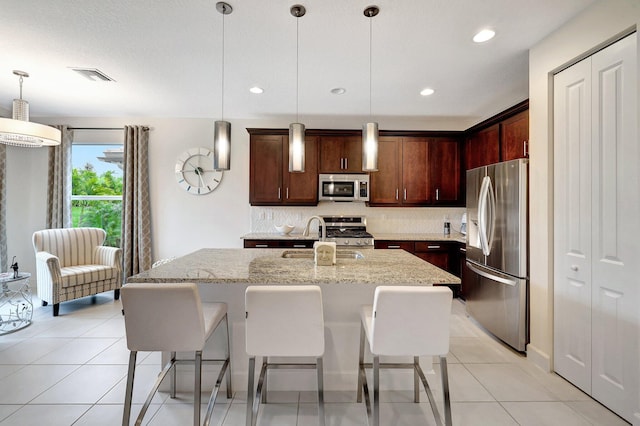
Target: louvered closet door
x: 615, y: 217
x: 572, y: 224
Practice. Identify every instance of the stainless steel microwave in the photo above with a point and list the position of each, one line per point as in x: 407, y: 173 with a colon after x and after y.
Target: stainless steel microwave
x: 343, y: 187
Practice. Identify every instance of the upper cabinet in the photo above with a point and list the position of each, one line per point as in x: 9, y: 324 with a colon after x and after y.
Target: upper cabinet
x: 515, y: 137
x: 340, y: 154
x: 417, y: 171
x: 270, y: 183
x: 500, y: 138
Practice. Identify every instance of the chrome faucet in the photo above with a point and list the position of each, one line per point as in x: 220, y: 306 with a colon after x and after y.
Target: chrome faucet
x: 323, y: 234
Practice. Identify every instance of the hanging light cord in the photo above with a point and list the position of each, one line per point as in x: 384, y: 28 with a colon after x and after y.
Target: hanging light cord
x: 222, y: 87
x: 297, y: 65
x: 370, y: 60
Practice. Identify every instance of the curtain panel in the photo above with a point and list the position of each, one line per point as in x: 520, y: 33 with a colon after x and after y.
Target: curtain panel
x: 59, y: 182
x: 136, y: 208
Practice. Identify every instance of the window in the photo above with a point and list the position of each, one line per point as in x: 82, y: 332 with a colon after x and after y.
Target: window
x: 96, y: 188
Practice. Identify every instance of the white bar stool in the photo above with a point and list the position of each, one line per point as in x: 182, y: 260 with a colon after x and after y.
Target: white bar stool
x: 406, y: 321
x: 283, y: 321
x: 170, y: 317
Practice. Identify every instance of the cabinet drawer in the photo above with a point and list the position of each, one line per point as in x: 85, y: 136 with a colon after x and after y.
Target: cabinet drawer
x: 278, y: 244
x: 399, y: 245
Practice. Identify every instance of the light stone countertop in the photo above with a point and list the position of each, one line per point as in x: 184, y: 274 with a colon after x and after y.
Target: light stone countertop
x: 267, y: 266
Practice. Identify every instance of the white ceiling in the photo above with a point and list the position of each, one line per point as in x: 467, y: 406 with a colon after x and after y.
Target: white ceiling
x: 166, y: 56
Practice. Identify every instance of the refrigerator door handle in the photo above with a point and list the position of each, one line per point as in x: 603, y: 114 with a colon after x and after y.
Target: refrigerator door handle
x: 491, y: 276
x: 486, y: 215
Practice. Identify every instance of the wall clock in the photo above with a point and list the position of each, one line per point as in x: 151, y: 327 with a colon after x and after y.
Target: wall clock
x: 195, y: 173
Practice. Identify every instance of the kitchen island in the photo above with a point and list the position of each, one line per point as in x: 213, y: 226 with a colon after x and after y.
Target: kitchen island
x: 224, y: 274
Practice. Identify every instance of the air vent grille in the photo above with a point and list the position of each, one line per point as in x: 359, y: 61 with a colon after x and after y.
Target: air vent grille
x: 93, y: 74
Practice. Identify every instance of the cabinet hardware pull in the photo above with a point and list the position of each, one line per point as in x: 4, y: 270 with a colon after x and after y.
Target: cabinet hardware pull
x: 574, y: 267
x: 525, y: 146
x: 262, y: 245
x: 396, y: 194
x: 299, y: 246
x: 287, y: 192
x: 463, y: 250
x: 393, y: 247
x: 405, y: 194
x: 437, y: 194
x: 433, y: 247
x: 346, y: 163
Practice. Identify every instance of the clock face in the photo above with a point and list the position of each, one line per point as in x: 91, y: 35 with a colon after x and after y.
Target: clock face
x: 195, y: 173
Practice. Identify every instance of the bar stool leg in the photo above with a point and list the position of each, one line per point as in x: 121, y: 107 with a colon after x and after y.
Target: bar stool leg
x: 129, y: 392
x: 416, y: 379
x: 172, y: 378
x: 251, y: 374
x: 229, y: 390
x: 197, y: 388
x: 376, y: 391
x: 320, y: 371
x: 445, y: 389
x: 265, y: 362
x: 361, y: 364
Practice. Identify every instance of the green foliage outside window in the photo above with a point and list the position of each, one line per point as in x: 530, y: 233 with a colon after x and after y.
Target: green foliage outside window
x: 105, y: 214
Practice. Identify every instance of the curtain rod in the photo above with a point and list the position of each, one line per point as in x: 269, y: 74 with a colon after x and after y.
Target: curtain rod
x: 101, y: 128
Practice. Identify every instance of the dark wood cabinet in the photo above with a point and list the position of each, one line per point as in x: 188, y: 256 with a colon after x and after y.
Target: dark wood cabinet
x: 417, y: 171
x: 270, y: 182
x: 483, y: 147
x: 340, y: 154
x: 514, y: 141
x: 500, y: 138
x: 434, y: 252
x: 444, y: 171
x: 278, y: 243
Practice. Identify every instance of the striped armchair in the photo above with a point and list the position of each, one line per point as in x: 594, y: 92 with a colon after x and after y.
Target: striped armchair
x: 72, y: 263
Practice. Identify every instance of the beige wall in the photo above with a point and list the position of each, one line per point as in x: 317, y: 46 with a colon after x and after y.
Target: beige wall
x: 595, y: 27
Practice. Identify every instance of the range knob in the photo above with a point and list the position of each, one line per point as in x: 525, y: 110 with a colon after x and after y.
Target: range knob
x: 346, y: 242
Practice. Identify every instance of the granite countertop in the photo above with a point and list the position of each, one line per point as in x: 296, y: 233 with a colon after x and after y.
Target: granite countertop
x: 267, y: 266
x: 455, y: 236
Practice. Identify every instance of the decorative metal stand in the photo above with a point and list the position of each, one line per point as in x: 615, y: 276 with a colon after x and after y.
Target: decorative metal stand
x: 16, y: 307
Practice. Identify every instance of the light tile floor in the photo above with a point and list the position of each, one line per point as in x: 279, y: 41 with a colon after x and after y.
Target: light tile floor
x: 71, y: 370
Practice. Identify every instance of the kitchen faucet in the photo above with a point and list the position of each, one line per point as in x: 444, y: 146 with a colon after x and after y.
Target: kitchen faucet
x: 323, y: 234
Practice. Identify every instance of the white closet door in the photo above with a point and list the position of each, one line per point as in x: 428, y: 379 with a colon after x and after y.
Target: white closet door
x: 572, y: 224
x: 615, y: 217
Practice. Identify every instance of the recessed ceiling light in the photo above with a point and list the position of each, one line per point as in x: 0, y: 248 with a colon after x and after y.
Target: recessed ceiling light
x: 338, y: 90
x: 484, y: 35
x: 427, y: 92
x: 257, y: 90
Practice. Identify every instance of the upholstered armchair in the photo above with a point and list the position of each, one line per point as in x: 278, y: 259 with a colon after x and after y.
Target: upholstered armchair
x: 72, y: 263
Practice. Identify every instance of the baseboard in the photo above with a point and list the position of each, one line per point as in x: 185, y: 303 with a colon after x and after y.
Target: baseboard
x: 539, y: 358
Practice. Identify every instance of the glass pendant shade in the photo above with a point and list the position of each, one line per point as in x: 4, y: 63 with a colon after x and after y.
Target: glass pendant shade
x: 370, y: 147
x: 296, y: 148
x: 222, y: 145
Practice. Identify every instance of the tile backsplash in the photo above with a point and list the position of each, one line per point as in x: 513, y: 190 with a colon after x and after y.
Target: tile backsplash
x: 379, y: 219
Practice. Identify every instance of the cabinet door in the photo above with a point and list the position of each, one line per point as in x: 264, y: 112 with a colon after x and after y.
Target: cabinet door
x: 385, y: 183
x: 415, y: 153
x: 330, y: 152
x: 515, y: 137
x: 444, y: 171
x: 483, y: 147
x: 266, y: 167
x: 352, y: 153
x: 302, y: 188
x: 340, y: 154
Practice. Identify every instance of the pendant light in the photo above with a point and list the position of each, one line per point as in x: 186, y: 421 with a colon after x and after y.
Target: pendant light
x: 370, y: 130
x: 296, y: 130
x: 222, y: 129
x: 18, y: 131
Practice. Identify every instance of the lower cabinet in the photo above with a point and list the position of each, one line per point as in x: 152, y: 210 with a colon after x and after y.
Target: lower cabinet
x: 278, y: 244
x: 443, y: 254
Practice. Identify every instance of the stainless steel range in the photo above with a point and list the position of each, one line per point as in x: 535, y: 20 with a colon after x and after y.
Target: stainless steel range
x: 348, y: 231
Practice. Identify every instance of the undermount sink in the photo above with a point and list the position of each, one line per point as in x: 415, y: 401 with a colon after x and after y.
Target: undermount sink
x: 308, y: 254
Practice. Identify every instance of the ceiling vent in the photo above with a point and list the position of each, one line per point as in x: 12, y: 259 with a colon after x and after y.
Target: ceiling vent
x: 93, y: 74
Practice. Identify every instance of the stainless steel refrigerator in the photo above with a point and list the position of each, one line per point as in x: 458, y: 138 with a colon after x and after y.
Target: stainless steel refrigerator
x: 496, y: 276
